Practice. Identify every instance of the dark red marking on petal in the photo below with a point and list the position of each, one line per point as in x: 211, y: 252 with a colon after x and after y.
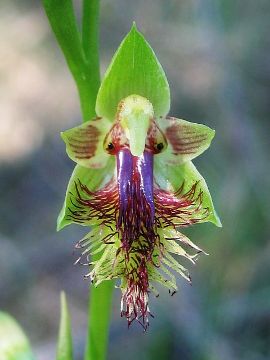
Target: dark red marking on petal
x: 117, y: 138
x: 84, y: 157
x: 190, y: 142
x: 83, y: 142
x: 183, y: 140
x: 154, y: 138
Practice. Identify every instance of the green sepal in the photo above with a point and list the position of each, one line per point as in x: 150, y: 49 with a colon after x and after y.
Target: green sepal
x: 64, y: 346
x: 186, y: 140
x: 134, y: 69
x: 84, y: 143
x: 93, y: 178
x: 14, y: 345
x: 171, y: 178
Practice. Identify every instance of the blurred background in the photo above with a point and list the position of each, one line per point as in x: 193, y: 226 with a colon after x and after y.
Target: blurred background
x: 216, y: 54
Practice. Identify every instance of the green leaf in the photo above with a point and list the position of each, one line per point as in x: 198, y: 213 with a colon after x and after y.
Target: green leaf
x: 186, y: 140
x: 93, y: 178
x: 172, y: 177
x: 13, y: 342
x: 134, y: 70
x: 85, y: 143
x: 64, y: 347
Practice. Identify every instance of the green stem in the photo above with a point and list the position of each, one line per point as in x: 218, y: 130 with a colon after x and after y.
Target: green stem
x: 81, y: 51
x: 88, y: 85
x: 100, y: 297
x: 98, y: 321
x: 90, y: 30
x: 88, y: 93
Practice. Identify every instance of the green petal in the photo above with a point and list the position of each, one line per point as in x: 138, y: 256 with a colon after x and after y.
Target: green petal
x: 84, y: 143
x: 93, y: 178
x: 171, y: 178
x: 13, y: 342
x: 134, y: 70
x: 186, y: 140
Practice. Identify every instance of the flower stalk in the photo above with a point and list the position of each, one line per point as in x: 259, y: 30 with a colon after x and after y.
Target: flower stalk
x: 80, y: 48
x: 81, y: 51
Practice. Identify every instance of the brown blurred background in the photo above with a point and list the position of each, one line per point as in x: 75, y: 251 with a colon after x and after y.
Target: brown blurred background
x: 216, y: 54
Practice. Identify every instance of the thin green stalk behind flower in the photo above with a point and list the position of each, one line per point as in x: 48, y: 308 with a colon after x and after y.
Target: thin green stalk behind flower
x: 134, y: 183
x: 99, y: 316
x: 81, y: 51
x: 80, y: 48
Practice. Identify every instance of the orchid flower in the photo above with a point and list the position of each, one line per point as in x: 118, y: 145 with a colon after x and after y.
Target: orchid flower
x: 134, y: 183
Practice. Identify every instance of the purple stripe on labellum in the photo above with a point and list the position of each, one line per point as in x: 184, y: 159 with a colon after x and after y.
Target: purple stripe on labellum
x: 145, y: 167
x: 136, y: 197
x: 124, y: 176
